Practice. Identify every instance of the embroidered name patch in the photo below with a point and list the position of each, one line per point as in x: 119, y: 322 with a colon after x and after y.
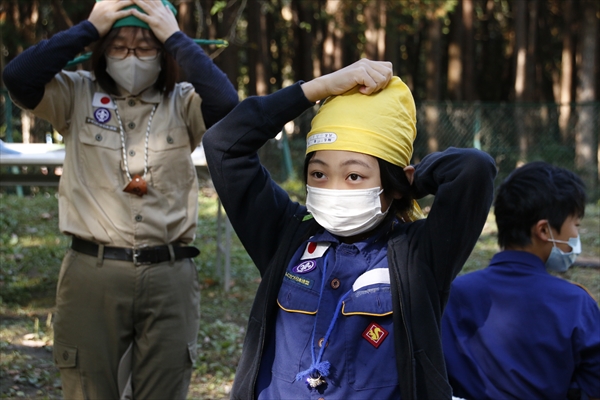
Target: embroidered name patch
x: 305, y: 282
x: 92, y: 121
x: 305, y: 267
x: 321, y: 138
x: 375, y: 334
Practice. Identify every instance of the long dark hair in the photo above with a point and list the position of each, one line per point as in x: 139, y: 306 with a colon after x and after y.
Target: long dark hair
x: 167, y: 78
x: 393, y: 180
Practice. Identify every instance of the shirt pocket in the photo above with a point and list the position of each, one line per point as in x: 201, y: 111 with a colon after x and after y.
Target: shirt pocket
x: 170, y: 160
x: 369, y: 334
x: 100, y: 158
x: 295, y: 319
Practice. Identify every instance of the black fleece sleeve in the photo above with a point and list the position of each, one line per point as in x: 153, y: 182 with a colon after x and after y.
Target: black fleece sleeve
x: 217, y: 93
x: 462, y: 181
x: 27, y: 74
x: 256, y: 206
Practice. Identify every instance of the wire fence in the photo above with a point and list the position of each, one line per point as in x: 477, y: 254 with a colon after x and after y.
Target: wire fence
x: 564, y: 135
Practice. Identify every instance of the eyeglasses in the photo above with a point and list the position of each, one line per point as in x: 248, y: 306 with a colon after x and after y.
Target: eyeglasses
x: 143, y: 53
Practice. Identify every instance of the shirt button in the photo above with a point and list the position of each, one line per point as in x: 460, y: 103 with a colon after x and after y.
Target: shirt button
x: 98, y: 137
x: 131, y: 103
x: 138, y: 218
x: 131, y: 125
x: 170, y: 140
x: 335, y: 283
x: 65, y: 355
x: 132, y: 153
x: 320, y: 343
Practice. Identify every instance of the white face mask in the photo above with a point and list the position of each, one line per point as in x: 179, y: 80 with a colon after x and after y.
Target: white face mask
x: 345, y: 212
x: 559, y: 261
x: 133, y: 74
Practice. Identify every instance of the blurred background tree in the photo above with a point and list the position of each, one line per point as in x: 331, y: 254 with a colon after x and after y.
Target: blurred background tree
x: 457, y: 56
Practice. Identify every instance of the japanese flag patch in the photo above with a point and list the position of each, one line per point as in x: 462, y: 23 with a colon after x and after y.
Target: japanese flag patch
x: 375, y: 334
x: 103, y: 100
x: 315, y: 250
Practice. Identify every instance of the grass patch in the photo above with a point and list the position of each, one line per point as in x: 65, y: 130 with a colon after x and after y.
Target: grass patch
x: 31, y: 251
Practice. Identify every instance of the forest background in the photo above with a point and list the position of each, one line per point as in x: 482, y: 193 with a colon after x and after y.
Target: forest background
x: 516, y: 78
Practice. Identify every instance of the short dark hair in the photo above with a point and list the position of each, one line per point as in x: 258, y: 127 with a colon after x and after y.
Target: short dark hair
x: 534, y: 192
x: 393, y: 179
x: 166, y: 79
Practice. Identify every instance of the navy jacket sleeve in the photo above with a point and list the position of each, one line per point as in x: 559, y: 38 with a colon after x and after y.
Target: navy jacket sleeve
x: 256, y: 206
x: 26, y: 76
x: 462, y: 181
x: 218, y: 94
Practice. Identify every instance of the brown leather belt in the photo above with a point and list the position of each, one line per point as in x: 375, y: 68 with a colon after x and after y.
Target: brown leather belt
x: 140, y: 256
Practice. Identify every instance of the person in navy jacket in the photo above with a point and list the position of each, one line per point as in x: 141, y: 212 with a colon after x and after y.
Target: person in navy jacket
x: 513, y: 330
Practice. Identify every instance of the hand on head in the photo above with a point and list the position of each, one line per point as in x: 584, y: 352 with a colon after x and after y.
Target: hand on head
x: 370, y: 76
x: 158, y: 16
x: 106, y: 13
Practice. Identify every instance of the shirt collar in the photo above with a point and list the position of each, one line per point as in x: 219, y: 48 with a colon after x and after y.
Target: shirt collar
x: 522, y: 258
x: 381, y: 231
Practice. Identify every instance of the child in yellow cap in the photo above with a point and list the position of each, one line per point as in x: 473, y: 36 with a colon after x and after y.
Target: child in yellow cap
x: 127, y: 298
x: 354, y: 283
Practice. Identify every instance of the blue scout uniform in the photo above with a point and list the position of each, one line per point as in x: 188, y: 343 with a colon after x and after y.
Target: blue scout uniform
x: 350, y: 313
x: 513, y: 331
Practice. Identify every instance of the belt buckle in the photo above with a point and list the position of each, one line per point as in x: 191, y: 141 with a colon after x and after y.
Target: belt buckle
x: 136, y: 262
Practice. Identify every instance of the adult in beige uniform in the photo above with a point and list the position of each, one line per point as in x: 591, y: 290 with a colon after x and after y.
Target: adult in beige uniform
x: 128, y: 296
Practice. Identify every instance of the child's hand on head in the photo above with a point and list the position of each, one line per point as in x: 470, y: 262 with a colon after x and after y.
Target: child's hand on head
x: 105, y: 13
x: 370, y: 76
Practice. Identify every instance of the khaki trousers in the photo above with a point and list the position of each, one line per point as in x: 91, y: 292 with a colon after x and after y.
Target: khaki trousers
x: 125, y: 331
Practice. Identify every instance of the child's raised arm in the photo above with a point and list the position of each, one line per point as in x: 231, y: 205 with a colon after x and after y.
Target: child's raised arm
x: 371, y: 76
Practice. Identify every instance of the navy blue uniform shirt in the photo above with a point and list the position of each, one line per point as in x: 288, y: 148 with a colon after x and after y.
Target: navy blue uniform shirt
x: 513, y: 331
x: 360, y: 347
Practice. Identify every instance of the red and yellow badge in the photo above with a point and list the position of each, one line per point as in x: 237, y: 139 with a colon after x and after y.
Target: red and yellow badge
x: 375, y: 334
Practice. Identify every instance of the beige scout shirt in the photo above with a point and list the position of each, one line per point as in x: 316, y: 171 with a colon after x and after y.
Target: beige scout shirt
x: 92, y: 204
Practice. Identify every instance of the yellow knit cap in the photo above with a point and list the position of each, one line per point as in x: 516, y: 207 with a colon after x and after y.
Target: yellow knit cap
x: 382, y: 125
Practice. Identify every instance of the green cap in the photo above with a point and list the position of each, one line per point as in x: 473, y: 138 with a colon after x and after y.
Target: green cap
x: 134, y: 21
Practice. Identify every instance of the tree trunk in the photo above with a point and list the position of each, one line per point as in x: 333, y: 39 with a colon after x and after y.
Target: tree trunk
x: 468, y: 77
x: 185, y: 17
x: 433, y: 51
x: 566, y: 78
x: 228, y: 58
x: 455, y: 66
x: 304, y: 25
x: 530, y: 89
x: 521, y: 75
x: 375, y: 21
x: 332, y: 43
x: 586, y: 135
x: 258, y: 56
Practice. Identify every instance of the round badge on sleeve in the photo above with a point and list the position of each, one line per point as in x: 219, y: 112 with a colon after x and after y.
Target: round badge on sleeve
x: 102, y: 115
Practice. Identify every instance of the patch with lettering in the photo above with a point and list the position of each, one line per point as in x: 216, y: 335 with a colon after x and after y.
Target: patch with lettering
x: 92, y: 121
x: 321, y: 138
x: 102, y: 115
x: 302, y: 281
x: 375, y: 334
x: 305, y: 267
